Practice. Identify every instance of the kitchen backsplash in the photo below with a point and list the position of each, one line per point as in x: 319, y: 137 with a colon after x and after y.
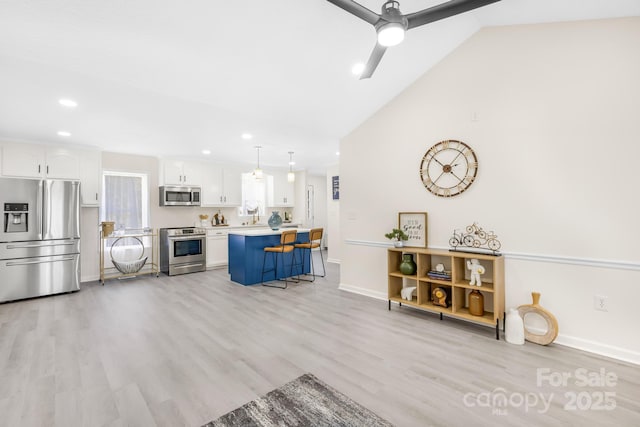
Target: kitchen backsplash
x: 186, y: 216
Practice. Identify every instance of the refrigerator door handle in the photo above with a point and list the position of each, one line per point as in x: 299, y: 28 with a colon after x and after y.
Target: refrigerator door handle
x: 11, y: 263
x: 46, y: 208
x: 39, y: 245
x: 40, y: 209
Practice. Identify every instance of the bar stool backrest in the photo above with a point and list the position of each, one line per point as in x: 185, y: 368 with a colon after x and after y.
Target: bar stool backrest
x: 315, y: 234
x: 288, y: 237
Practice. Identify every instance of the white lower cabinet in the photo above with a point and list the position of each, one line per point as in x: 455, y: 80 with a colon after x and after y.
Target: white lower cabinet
x: 217, y: 248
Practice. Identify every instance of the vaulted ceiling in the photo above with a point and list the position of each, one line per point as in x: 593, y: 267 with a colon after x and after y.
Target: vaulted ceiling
x: 163, y: 77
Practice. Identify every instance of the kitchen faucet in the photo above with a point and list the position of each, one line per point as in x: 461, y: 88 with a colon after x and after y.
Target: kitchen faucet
x: 254, y: 212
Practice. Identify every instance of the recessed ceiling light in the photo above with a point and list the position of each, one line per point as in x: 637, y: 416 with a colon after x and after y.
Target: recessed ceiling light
x: 64, y: 133
x: 68, y: 103
x: 357, y: 69
x: 247, y: 136
x: 207, y: 152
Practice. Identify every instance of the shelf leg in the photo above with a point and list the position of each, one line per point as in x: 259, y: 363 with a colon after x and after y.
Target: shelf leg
x: 498, y: 329
x: 504, y: 321
x: 400, y: 304
x: 389, y: 305
x: 440, y: 316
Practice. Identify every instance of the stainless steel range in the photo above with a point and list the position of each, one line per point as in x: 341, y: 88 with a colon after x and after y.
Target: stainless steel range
x: 183, y: 250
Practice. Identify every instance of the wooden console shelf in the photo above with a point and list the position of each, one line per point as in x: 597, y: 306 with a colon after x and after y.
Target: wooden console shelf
x: 458, y: 288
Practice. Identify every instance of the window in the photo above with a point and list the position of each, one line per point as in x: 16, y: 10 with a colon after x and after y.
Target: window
x: 126, y: 199
x: 254, y: 194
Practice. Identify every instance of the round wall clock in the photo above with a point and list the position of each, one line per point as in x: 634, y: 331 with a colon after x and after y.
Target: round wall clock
x: 448, y: 168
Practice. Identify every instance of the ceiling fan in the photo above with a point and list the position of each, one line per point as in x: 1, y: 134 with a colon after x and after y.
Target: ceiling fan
x: 391, y: 24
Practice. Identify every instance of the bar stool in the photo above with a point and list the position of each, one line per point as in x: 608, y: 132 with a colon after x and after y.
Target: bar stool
x: 287, y: 240
x: 315, y: 240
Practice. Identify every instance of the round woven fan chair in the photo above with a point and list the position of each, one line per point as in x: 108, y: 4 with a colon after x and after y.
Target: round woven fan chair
x: 315, y: 241
x: 287, y: 240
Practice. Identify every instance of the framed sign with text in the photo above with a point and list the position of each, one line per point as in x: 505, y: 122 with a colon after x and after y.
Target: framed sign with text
x: 414, y: 224
x: 335, y: 187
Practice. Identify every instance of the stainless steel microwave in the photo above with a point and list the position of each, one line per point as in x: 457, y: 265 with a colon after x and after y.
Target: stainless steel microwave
x: 175, y: 195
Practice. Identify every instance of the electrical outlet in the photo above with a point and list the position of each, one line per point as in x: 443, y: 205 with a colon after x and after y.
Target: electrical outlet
x: 600, y: 303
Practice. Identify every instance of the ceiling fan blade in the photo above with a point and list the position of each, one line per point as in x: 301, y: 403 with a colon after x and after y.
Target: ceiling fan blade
x: 357, y: 10
x: 444, y: 10
x: 373, y: 62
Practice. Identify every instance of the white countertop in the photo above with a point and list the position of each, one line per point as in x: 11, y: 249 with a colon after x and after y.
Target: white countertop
x: 262, y: 231
x: 253, y: 226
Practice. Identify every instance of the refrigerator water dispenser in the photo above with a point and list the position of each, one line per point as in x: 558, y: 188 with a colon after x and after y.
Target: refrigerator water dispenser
x: 16, y: 217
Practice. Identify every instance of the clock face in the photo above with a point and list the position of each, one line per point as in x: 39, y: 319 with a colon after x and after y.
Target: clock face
x: 448, y: 168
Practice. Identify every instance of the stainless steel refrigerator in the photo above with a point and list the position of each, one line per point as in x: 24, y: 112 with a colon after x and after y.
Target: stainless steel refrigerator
x: 39, y: 237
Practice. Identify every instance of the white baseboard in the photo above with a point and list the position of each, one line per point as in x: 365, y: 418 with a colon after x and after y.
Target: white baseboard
x: 89, y: 278
x: 362, y: 291
x: 595, y: 347
x: 333, y: 260
x: 567, y: 341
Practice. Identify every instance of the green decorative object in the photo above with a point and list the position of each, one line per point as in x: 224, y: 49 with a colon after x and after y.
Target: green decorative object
x: 397, y: 236
x: 407, y: 266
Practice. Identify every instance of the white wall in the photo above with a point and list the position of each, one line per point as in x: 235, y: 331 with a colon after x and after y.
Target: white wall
x: 552, y: 113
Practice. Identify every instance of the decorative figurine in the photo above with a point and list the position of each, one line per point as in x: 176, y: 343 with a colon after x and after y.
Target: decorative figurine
x: 222, y: 220
x: 476, y: 270
x: 216, y: 219
x: 407, y: 293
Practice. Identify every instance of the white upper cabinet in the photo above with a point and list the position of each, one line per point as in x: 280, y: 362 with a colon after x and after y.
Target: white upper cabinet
x: 180, y: 172
x: 212, y: 188
x: 223, y: 186
x: 280, y: 192
x: 38, y: 161
x: 232, y: 181
x: 90, y: 177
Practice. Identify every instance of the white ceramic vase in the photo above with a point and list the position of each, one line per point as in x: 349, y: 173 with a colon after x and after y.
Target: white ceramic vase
x: 514, y: 328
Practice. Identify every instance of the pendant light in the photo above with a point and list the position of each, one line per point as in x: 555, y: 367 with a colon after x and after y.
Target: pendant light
x: 257, y: 172
x: 291, y: 176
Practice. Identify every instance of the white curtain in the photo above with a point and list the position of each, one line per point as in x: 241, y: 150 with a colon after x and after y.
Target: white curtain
x: 123, y: 201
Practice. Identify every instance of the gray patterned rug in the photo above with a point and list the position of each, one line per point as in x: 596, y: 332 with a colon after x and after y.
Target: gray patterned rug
x: 305, y: 401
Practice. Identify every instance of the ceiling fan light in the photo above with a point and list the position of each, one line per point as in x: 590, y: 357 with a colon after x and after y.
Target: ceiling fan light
x: 391, y: 34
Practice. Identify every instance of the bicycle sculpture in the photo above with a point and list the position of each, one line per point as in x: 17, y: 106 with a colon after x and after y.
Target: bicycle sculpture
x: 476, y: 238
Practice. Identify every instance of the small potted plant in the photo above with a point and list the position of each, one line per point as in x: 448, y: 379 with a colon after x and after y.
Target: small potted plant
x: 397, y: 236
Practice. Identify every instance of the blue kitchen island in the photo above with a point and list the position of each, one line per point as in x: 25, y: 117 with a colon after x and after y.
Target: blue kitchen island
x: 246, y: 255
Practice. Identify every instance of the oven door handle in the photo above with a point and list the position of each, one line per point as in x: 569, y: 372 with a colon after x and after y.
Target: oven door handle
x: 196, y: 237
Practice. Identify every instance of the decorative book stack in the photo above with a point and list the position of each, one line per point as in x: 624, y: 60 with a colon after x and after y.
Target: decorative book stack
x: 439, y: 275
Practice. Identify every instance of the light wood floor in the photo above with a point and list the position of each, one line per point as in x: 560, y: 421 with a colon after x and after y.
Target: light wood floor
x: 184, y: 350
